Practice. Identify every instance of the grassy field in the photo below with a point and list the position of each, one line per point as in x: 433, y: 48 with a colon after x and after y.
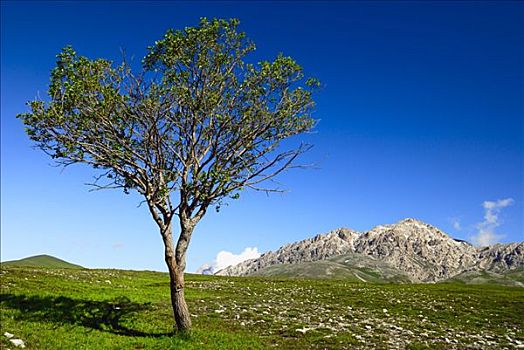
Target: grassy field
x: 112, y: 309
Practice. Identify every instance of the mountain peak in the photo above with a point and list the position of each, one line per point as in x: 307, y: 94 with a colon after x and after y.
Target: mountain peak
x: 424, y: 252
x: 409, y: 228
x: 410, y: 220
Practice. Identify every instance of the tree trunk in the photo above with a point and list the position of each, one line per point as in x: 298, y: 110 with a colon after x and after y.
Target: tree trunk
x: 176, y: 283
x: 178, y: 300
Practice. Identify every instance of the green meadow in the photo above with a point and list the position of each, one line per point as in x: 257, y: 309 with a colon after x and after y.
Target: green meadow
x: 114, y: 309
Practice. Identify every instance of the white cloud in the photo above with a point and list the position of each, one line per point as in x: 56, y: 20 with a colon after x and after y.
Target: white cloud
x: 118, y: 245
x: 455, y: 223
x: 225, y: 259
x: 486, y: 234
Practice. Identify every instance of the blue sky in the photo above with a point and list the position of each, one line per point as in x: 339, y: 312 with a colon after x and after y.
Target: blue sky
x: 421, y: 115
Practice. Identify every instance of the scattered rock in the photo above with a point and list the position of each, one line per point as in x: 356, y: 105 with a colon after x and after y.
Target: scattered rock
x: 303, y: 330
x: 18, y: 343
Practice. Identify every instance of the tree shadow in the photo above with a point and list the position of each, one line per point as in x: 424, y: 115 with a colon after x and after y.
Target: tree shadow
x: 100, y: 315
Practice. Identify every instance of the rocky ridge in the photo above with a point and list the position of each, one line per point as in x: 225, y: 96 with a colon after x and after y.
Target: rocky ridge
x: 320, y: 247
x: 422, y: 251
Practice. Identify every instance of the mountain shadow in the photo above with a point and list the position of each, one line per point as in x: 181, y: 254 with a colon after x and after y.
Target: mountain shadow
x: 98, y: 315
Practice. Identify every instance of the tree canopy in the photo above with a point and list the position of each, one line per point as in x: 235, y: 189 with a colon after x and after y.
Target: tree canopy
x: 196, y: 125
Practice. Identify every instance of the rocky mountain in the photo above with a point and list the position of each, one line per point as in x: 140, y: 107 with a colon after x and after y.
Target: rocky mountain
x: 501, y: 257
x: 419, y: 250
x: 320, y: 247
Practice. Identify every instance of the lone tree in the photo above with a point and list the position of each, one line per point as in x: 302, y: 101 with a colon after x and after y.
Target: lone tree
x: 197, y: 125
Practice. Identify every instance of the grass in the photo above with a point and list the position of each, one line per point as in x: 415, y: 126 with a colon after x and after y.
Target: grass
x: 510, y: 278
x: 349, y: 267
x: 113, y: 309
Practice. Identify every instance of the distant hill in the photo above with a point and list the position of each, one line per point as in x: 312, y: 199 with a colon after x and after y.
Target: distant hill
x: 42, y: 261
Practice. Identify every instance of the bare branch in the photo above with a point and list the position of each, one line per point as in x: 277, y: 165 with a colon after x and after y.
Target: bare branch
x: 194, y: 127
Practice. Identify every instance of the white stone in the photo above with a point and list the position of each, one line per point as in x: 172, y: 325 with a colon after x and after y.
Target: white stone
x: 303, y: 330
x: 17, y: 343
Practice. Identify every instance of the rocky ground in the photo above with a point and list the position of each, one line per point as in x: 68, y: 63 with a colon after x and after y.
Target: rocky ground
x: 357, y: 316
x: 112, y: 309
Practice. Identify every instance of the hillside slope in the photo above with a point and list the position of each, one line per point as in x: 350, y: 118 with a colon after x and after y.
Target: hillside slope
x: 513, y: 278
x: 349, y: 267
x: 42, y: 261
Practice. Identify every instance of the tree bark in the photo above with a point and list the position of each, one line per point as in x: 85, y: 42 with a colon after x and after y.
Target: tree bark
x: 176, y: 282
x: 178, y: 300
